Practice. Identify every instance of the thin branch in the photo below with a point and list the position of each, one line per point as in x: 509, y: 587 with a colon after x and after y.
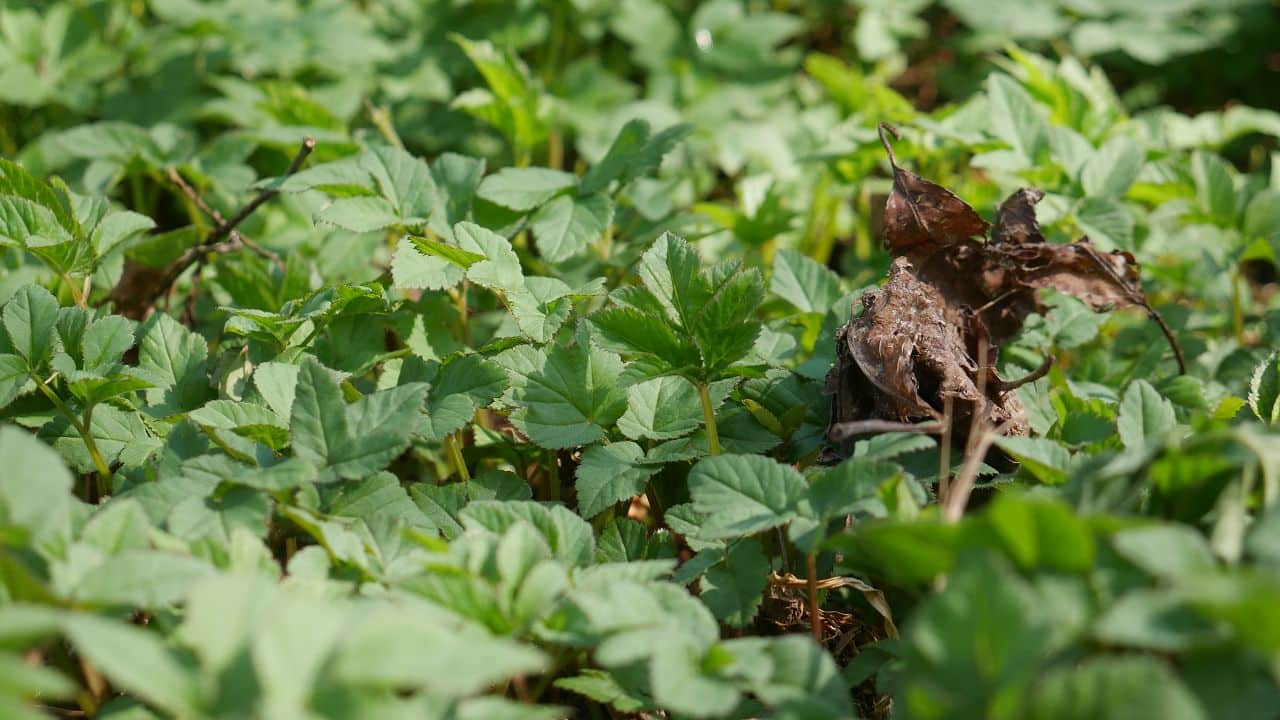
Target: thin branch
x: 845, y: 430
x: 815, y: 611
x: 223, y: 238
x: 1137, y: 297
x: 958, y: 498
x: 220, y: 232
x: 1005, y: 386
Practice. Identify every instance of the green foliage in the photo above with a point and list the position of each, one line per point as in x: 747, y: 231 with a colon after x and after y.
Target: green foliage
x: 507, y: 401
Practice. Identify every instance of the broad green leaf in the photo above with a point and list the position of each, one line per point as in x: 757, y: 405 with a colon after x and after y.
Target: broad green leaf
x: 1166, y: 551
x: 633, y: 152
x: 500, y: 270
x: 140, y: 578
x: 571, y: 397
x: 174, y: 360
x: 412, y: 267
x: 1113, y: 688
x: 1145, y: 416
x: 15, y: 379
x: 400, y: 647
x: 661, y: 409
x: 681, y: 678
x: 1112, y: 168
x: 1041, y: 534
x: 744, y: 494
x: 525, y: 188
x: 734, y: 588
x: 29, y: 318
x: 972, y: 649
x: 356, y: 440
x: 611, y: 473
x: 565, y: 226
x: 602, y: 687
x: 106, y: 341
x: 1215, y: 188
x: 1016, y: 118
x: 1264, y: 390
x: 1106, y: 221
x: 137, y: 660
x: 568, y: 535
x: 804, y: 682
x: 1045, y: 459
x: 35, y: 488
x: 803, y: 282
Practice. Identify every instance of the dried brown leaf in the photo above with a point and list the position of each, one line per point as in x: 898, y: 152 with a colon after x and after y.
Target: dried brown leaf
x: 920, y: 213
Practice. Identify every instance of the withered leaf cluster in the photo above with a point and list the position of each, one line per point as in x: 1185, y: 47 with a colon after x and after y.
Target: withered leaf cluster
x: 927, y: 341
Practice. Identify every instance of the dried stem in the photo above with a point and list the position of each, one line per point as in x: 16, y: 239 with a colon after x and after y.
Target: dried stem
x: 223, y: 238
x: 1005, y: 386
x: 815, y: 612
x: 958, y: 498
x: 845, y: 430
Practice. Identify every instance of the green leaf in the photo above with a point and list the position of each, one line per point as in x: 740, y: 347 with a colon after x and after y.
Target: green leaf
x: 565, y: 226
x: 357, y: 440
x: 804, y: 681
x: 1144, y: 415
x: 611, y: 473
x: 15, y: 379
x: 1215, y: 189
x: 1113, y: 688
x: 734, y: 588
x: 571, y: 397
x: 500, y: 270
x: 106, y: 341
x: 1045, y: 459
x: 971, y: 650
x: 803, y: 282
x: 744, y: 494
x: 1112, y: 168
x: 1106, y: 221
x: 1165, y: 551
x: 1015, y: 118
x: 632, y: 154
x: 1264, y: 390
x: 661, y: 409
x: 174, y: 360
x: 525, y: 188
x: 602, y: 687
x: 680, y: 679
x: 140, y: 578
x: 29, y: 318
x: 35, y: 488
x: 137, y: 661
x: 1041, y: 534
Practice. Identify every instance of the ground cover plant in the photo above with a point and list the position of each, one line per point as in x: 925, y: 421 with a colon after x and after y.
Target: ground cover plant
x: 590, y: 359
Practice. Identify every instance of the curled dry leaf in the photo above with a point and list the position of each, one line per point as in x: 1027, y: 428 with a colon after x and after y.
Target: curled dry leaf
x: 931, y: 335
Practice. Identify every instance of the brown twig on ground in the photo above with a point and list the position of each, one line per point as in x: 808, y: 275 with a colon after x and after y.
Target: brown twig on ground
x: 222, y: 239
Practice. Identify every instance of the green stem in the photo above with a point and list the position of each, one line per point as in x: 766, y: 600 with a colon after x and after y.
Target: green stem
x: 1237, y: 306
x: 454, y: 448
x: 104, y: 470
x: 464, y: 321
x: 709, y: 415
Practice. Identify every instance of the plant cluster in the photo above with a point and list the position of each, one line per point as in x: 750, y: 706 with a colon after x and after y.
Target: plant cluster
x: 469, y: 360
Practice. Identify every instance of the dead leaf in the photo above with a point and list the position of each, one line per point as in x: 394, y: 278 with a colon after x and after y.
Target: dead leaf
x: 931, y: 335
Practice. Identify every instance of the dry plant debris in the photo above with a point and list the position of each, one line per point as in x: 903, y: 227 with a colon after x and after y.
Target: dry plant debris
x: 930, y: 337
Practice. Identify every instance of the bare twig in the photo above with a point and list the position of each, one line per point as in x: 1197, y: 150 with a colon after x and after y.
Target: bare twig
x: 815, y: 612
x: 846, y: 430
x: 222, y: 239
x: 1005, y: 386
x: 958, y: 498
x: 190, y: 193
x: 1138, y: 298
